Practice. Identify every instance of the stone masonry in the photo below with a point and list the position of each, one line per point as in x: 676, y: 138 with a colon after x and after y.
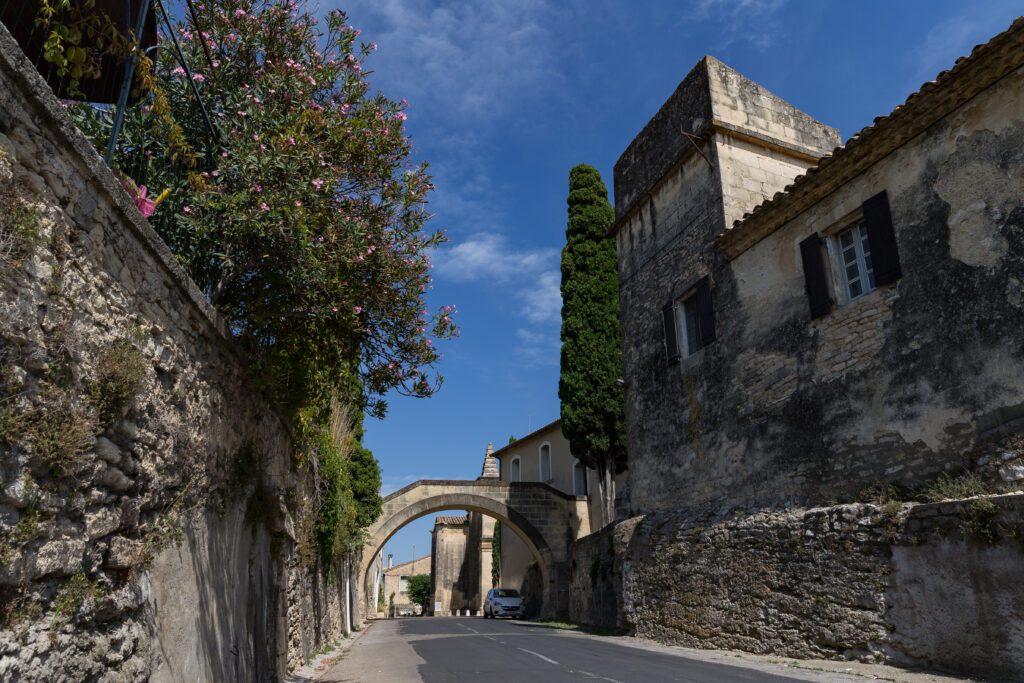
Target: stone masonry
x: 148, y: 535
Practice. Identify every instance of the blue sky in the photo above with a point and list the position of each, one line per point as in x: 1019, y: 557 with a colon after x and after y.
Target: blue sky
x: 505, y: 97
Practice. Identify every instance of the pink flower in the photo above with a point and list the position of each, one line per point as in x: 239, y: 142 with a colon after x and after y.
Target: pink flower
x: 335, y: 309
x: 198, y: 78
x: 239, y: 12
x: 358, y: 309
x: 264, y: 207
x: 298, y: 203
x: 178, y: 71
x: 187, y: 209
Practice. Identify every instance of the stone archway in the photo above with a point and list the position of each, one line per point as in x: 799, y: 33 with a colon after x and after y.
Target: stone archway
x: 543, y: 517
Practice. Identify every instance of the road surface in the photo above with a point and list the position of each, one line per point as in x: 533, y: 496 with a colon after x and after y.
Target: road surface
x: 451, y: 650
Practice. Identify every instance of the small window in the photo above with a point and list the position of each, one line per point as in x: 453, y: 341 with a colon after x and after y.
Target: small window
x: 689, y: 326
x: 854, y: 254
x: 580, y: 480
x: 863, y: 255
x: 403, y: 583
x: 515, y: 470
x: 689, y: 322
x: 545, y: 462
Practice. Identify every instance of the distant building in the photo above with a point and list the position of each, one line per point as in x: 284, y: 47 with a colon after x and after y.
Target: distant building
x: 456, y: 566
x: 396, y: 582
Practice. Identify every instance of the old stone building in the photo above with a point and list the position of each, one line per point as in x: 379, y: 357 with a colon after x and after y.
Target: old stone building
x: 456, y: 563
x: 790, y: 344
x: 860, y: 325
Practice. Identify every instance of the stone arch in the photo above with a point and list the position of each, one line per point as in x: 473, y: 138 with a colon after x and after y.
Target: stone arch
x: 396, y: 513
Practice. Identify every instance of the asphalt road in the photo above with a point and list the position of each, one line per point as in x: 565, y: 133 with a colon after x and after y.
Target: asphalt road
x: 450, y: 650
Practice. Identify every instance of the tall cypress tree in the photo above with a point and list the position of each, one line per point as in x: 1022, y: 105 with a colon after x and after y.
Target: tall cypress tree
x: 593, y: 415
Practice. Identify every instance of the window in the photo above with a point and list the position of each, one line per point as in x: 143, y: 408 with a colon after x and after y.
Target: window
x: 689, y: 322
x: 544, y: 456
x: 580, y: 480
x: 403, y: 583
x: 863, y: 254
x: 854, y: 254
x: 515, y: 470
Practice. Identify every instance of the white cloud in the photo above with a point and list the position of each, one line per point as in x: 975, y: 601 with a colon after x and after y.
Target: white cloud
x: 543, y: 301
x: 488, y: 256
x: 470, y: 58
x: 724, y: 22
x: 957, y: 36
x: 538, y: 348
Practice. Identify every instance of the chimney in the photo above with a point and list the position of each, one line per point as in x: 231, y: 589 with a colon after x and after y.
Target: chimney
x: 390, y: 558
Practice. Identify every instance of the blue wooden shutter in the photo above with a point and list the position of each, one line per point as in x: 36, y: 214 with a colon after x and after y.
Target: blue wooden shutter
x: 885, y: 257
x: 814, y: 276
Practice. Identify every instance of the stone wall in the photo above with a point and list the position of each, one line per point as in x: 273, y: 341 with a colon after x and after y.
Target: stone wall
x: 596, y: 569
x: 146, y: 492
x: 933, y: 585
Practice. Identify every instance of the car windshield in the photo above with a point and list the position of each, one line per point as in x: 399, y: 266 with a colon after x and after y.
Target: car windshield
x: 506, y: 593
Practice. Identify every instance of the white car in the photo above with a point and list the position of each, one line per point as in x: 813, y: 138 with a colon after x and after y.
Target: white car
x: 504, y: 602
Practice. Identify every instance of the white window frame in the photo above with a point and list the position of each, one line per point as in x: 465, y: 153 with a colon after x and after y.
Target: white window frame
x: 515, y: 468
x: 540, y: 462
x: 586, y: 478
x: 840, y: 260
x: 403, y: 583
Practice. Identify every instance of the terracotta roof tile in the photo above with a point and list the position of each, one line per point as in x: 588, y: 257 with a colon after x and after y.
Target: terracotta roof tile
x: 454, y: 520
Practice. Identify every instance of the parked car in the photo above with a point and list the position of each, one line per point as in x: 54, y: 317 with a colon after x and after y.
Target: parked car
x: 504, y: 602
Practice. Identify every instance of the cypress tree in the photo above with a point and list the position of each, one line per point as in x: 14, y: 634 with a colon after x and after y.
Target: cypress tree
x: 593, y: 415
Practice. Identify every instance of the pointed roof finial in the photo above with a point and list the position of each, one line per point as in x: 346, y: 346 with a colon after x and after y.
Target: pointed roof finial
x: 490, y: 469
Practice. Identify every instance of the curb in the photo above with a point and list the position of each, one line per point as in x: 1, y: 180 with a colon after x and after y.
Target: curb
x: 319, y: 665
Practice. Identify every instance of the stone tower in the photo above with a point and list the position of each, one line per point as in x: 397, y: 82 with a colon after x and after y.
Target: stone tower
x: 719, y: 146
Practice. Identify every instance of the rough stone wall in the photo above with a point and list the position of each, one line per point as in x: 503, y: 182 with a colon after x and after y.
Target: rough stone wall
x: 146, y: 535
x: 595, y: 574
x: 930, y: 584
x: 917, y: 378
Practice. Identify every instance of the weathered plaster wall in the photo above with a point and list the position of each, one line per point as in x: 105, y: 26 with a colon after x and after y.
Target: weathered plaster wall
x: 913, y: 584
x: 165, y: 532
x: 920, y: 377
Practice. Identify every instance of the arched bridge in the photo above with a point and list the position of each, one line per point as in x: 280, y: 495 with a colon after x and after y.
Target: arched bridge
x: 547, y: 520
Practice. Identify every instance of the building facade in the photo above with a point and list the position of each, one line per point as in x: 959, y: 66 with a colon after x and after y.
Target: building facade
x: 792, y: 342
x: 455, y: 565
x: 396, y: 583
x: 544, y: 455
